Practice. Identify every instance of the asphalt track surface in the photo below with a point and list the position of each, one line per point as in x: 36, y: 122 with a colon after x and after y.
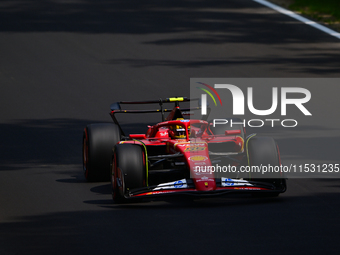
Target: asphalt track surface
x: 62, y: 63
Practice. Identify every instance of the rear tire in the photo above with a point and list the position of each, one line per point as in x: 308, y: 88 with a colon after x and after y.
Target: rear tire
x: 98, y: 141
x: 128, y: 170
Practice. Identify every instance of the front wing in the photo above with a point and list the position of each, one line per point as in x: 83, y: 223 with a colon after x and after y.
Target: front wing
x: 224, y: 186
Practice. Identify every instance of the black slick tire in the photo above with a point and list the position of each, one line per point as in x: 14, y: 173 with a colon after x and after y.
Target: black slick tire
x: 128, y: 170
x: 98, y: 141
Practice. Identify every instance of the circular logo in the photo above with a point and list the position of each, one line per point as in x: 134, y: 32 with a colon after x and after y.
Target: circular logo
x: 178, y: 184
x: 229, y: 182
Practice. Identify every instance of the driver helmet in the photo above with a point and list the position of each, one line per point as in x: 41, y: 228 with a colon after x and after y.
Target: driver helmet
x: 178, y: 132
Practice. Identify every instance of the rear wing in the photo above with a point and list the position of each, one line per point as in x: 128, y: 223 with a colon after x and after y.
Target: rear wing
x: 176, y: 111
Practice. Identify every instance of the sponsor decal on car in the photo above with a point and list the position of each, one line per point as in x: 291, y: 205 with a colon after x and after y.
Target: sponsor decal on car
x: 226, y: 182
x: 205, y: 179
x: 182, y: 144
x: 198, y: 158
x: 194, y: 148
x: 164, y: 133
x: 249, y: 188
x: 180, y: 184
x: 199, y: 163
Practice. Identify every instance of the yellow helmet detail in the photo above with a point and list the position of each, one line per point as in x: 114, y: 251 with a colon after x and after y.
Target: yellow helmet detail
x: 178, y: 132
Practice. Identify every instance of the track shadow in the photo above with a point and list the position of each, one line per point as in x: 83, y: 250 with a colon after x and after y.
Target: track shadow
x: 225, y: 21
x: 199, y: 22
x: 244, y: 225
x: 32, y: 143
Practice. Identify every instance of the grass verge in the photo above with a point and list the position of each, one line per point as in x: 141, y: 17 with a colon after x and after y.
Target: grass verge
x: 324, y: 11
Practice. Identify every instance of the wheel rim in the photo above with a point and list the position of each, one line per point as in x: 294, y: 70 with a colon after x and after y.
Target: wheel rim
x: 85, y: 154
x: 115, y: 188
x: 113, y: 174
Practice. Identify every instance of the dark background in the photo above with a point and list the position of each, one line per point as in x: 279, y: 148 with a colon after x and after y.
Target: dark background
x: 62, y: 63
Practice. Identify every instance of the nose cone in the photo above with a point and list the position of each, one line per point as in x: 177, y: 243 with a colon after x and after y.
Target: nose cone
x: 205, y: 183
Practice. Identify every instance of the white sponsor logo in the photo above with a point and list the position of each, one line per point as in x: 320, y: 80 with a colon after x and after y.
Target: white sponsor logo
x: 180, y: 184
x: 226, y: 182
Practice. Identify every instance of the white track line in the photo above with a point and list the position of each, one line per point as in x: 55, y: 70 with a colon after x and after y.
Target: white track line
x: 300, y: 18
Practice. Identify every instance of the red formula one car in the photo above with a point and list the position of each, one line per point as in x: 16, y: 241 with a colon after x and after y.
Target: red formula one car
x: 179, y: 156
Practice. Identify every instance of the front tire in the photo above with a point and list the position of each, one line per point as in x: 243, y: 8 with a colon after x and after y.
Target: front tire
x: 128, y: 170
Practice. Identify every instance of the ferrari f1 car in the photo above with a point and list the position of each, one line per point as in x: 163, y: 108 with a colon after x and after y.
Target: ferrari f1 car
x: 179, y: 156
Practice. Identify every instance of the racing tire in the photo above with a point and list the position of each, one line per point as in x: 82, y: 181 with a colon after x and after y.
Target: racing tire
x: 263, y: 151
x: 98, y: 141
x: 128, y: 170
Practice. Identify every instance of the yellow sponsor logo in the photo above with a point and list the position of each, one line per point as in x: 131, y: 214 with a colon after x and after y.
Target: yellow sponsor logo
x: 194, y: 148
x: 198, y: 158
x: 176, y: 99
